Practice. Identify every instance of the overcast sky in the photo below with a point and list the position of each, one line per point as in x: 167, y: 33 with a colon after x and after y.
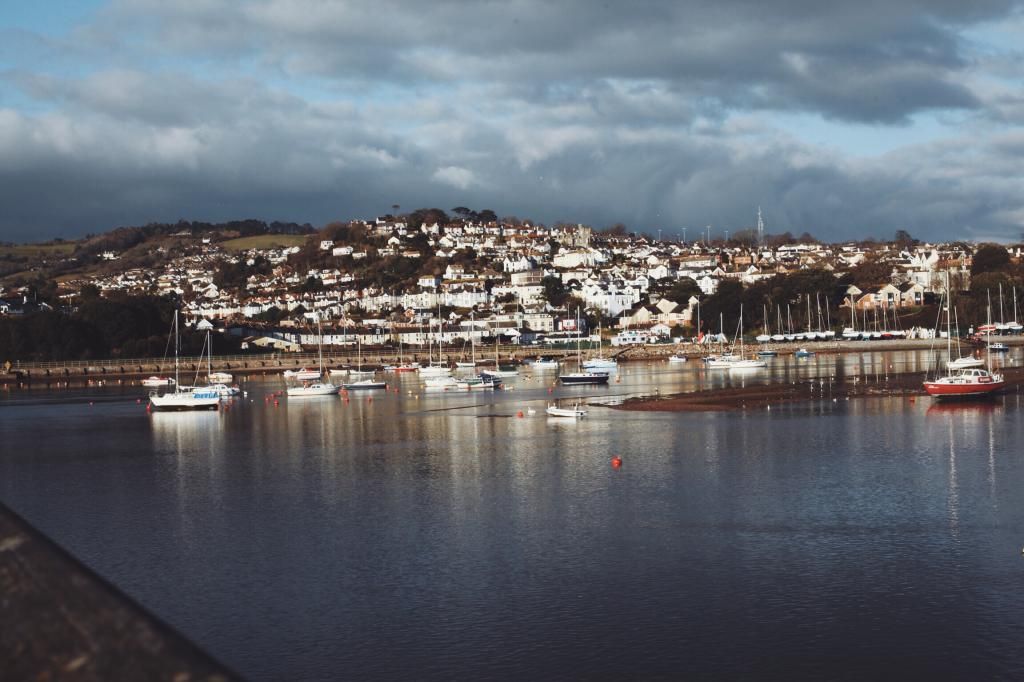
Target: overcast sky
x: 844, y: 119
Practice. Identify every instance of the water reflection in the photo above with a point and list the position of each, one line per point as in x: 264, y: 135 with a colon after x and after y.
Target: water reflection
x: 447, y: 535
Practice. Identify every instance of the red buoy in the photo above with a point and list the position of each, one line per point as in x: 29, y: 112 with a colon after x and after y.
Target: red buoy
x: 519, y: 413
x: 616, y: 462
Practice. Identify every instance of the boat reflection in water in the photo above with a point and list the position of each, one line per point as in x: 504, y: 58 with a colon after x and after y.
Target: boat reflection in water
x: 976, y: 408
x: 187, y: 432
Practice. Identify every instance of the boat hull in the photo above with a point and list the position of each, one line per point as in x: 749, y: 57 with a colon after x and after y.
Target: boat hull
x: 568, y: 412
x: 310, y: 391
x: 592, y: 379
x: 365, y: 386
x: 948, y: 390
x: 184, y: 402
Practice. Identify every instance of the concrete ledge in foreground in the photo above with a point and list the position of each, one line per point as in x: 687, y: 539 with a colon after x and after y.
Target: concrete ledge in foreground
x: 60, y: 621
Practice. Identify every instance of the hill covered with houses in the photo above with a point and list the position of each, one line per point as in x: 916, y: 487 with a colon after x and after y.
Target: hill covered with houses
x: 403, y: 277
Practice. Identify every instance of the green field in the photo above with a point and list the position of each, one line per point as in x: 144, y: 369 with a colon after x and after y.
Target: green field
x: 264, y: 241
x: 38, y: 250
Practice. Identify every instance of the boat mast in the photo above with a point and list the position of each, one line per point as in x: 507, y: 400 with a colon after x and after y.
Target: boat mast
x: 949, y: 335
x: 319, y: 346
x: 988, y: 332
x: 177, y: 383
x: 1002, y: 320
x: 579, y: 351
x: 740, y: 333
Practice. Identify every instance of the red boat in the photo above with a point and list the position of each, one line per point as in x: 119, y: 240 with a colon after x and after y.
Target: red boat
x: 965, y: 383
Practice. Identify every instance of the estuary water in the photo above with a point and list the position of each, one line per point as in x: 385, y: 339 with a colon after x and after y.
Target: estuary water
x: 442, y: 536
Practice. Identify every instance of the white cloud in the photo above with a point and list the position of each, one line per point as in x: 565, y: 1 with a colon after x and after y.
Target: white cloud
x: 462, y: 178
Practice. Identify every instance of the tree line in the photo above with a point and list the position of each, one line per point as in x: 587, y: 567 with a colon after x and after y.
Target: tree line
x: 119, y: 326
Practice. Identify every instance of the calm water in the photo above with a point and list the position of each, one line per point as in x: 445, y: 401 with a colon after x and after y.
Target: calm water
x: 440, y: 536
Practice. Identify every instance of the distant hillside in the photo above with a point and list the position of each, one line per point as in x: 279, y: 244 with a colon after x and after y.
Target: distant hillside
x: 264, y: 241
x: 124, y: 238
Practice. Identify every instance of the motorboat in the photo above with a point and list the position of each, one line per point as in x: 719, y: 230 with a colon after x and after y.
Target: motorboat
x: 220, y: 378
x: 303, y: 374
x: 965, y: 362
x: 405, y: 367
x: 541, y: 363
x: 156, y: 382
x: 479, y: 382
x: 225, y: 391
x: 499, y: 373
x: 574, y: 412
x: 312, y: 388
x: 676, y: 359
x: 802, y: 353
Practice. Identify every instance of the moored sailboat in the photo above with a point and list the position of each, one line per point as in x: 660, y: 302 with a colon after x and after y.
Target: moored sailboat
x: 314, y: 386
x: 582, y: 377
x: 181, y: 398
x: 973, y: 382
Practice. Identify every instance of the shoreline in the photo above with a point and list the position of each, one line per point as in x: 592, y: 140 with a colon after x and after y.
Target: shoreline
x: 763, y: 396
x: 841, y: 347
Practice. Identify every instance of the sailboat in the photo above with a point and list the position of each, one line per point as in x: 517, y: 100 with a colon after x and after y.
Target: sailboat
x: 498, y: 372
x: 402, y: 366
x: 215, y: 380
x: 315, y: 387
x: 359, y: 372
x: 433, y: 369
x: 766, y: 337
x: 472, y: 347
x: 181, y: 398
x: 742, y: 362
x: 972, y: 382
x: 1013, y: 326
x: 721, y: 359
x: 365, y: 383
x: 600, y: 362
x: 962, y: 361
x: 581, y: 377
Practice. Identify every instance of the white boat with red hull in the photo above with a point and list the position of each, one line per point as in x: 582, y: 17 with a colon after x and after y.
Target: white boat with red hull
x: 965, y: 383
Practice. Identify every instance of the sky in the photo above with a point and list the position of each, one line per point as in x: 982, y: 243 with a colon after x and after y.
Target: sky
x: 845, y: 120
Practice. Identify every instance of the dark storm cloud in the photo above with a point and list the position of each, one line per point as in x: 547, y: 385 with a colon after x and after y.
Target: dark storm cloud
x: 657, y: 114
x: 871, y: 61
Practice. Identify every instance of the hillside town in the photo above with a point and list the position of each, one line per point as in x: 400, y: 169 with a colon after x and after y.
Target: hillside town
x: 389, y: 280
